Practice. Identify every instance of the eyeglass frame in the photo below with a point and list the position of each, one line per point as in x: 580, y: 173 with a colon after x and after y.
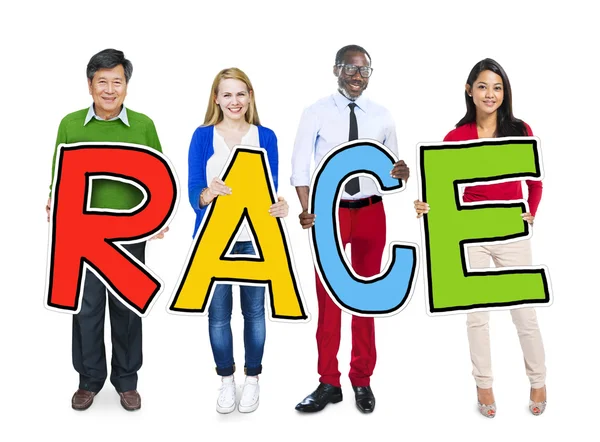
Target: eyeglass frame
x: 358, y: 69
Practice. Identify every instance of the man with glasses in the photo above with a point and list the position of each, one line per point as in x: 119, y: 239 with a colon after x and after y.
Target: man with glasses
x: 344, y: 116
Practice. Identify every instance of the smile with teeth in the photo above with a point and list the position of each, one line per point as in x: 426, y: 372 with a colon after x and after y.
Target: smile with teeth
x: 234, y: 110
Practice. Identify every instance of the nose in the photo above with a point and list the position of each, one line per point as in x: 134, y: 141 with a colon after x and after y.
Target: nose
x: 110, y: 88
x: 357, y: 75
x: 489, y: 92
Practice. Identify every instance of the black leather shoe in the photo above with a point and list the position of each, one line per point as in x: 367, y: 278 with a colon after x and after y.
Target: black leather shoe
x: 316, y: 401
x: 365, y: 400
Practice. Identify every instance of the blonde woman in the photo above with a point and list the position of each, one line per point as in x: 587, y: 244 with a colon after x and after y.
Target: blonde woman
x: 232, y: 119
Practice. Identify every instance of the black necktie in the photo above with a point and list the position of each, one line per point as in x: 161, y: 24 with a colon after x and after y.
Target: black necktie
x: 353, y: 186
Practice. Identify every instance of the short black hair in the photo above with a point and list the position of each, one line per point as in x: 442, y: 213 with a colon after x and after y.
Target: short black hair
x: 339, y: 57
x: 108, y: 59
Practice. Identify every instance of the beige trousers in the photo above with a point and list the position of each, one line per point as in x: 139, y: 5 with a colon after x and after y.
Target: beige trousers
x: 505, y: 255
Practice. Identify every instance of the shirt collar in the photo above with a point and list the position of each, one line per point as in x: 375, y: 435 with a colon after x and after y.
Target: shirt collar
x: 342, y: 102
x: 92, y: 114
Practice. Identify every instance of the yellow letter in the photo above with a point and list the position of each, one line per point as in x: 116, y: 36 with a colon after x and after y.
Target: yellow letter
x: 247, y: 174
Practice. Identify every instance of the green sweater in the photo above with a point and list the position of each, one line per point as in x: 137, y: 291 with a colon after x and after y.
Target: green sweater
x: 107, y: 193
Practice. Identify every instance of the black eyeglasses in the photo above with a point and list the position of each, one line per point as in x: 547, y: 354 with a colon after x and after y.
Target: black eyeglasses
x: 350, y: 70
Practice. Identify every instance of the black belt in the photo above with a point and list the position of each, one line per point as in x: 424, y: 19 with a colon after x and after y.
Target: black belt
x: 357, y: 204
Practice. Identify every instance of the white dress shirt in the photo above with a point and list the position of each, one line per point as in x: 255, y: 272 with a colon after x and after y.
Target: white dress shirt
x: 216, y: 163
x: 92, y: 114
x: 326, y: 124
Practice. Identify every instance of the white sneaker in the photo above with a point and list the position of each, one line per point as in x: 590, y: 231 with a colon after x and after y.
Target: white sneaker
x: 249, y: 400
x: 226, y: 399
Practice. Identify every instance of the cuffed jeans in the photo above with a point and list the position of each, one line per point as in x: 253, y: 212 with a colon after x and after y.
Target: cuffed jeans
x: 252, y: 301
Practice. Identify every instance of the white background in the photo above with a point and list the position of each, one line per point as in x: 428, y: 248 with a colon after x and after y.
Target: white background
x: 421, y: 55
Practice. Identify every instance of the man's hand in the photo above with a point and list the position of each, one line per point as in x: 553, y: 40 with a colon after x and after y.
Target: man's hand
x: 528, y: 217
x: 307, y: 220
x: 280, y: 208
x: 421, y: 208
x: 400, y: 171
x: 48, y: 209
x: 161, y: 234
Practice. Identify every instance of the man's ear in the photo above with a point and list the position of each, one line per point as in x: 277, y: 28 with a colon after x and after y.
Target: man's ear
x: 90, y: 85
x: 336, y: 71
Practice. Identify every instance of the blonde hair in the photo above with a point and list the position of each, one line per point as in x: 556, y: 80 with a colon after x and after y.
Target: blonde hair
x: 214, y: 114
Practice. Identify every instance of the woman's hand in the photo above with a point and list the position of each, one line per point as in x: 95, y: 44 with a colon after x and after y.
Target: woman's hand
x: 280, y: 208
x: 217, y: 187
x: 421, y: 208
x: 528, y: 217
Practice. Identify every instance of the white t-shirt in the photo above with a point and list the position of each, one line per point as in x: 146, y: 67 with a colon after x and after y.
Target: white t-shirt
x: 216, y: 163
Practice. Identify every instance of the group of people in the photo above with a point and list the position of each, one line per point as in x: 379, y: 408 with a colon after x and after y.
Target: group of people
x: 232, y: 119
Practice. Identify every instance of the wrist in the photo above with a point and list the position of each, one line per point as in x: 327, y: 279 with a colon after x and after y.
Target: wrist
x: 205, y: 197
x: 209, y: 196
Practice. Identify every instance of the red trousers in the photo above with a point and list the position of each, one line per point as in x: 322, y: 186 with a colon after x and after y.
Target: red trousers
x: 364, y: 229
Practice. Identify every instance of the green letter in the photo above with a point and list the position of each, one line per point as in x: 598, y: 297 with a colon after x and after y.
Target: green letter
x: 453, y: 225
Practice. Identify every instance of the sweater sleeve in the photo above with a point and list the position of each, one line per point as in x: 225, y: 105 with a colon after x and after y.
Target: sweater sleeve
x: 534, y: 187
x: 450, y: 136
x: 152, y: 137
x: 61, y: 138
x: 273, y: 157
x: 196, y: 168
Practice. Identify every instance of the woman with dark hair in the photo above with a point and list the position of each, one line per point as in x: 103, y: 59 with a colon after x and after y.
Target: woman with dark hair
x: 232, y: 119
x: 489, y: 115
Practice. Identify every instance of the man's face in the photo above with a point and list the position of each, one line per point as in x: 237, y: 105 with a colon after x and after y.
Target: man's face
x: 108, y: 88
x: 352, y: 86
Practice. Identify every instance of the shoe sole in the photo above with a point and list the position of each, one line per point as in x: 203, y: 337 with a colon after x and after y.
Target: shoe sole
x: 223, y: 410
x: 130, y: 408
x: 333, y: 400
x: 250, y: 409
x: 82, y: 408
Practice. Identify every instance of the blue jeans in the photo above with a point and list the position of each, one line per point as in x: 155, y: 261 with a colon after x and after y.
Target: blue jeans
x: 252, y: 300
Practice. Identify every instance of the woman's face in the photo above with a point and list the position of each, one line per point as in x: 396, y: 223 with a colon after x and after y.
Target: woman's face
x: 487, y: 92
x: 233, y: 98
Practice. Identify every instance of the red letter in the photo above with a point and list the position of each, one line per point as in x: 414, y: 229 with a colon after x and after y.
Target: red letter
x: 91, y: 236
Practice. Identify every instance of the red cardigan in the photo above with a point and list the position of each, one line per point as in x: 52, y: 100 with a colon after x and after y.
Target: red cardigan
x: 501, y: 191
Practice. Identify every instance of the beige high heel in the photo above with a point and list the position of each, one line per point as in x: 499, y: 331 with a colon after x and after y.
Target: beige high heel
x: 488, y: 411
x: 537, y: 408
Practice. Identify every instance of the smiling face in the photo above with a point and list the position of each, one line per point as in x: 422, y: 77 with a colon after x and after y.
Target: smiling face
x: 233, y: 97
x: 487, y: 92
x: 108, y: 88
x: 352, y: 86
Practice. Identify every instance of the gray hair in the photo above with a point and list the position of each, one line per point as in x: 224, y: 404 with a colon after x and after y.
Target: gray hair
x: 108, y: 59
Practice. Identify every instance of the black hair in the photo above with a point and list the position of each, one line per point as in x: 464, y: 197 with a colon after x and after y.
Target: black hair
x: 108, y: 59
x: 506, y: 123
x: 339, y: 57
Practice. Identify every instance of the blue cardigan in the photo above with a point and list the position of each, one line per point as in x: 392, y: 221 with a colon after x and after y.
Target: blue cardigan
x: 201, y: 149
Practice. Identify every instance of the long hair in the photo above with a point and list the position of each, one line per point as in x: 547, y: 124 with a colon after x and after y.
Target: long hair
x: 214, y: 114
x: 506, y: 123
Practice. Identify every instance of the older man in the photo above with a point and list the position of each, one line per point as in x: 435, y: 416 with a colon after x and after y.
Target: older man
x: 107, y: 119
x: 344, y: 116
